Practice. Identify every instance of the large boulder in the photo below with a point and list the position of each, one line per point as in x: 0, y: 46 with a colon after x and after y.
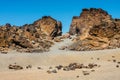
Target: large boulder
x: 92, y: 27
x: 49, y: 26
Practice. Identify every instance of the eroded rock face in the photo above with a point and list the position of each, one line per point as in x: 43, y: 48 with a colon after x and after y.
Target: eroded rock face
x: 94, y: 26
x: 33, y: 37
x: 88, y: 19
x: 49, y: 26
x: 90, y: 43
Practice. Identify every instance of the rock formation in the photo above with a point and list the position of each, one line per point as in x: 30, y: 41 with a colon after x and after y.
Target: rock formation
x: 35, y: 37
x: 96, y: 30
x: 49, y: 26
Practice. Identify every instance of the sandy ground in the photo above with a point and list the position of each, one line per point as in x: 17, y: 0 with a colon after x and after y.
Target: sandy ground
x: 106, y: 71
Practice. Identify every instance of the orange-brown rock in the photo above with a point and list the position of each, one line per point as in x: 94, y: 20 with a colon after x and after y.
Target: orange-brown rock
x: 90, y: 43
x: 89, y: 18
x: 32, y: 37
x: 49, y: 26
x: 96, y: 30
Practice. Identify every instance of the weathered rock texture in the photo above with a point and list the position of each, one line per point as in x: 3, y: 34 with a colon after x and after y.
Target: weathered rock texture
x: 35, y: 37
x: 96, y: 30
x: 49, y: 26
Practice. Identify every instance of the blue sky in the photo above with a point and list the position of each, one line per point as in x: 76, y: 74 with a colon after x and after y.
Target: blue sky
x: 20, y: 12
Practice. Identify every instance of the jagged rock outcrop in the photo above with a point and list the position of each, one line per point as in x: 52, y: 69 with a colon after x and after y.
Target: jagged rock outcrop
x: 96, y: 30
x: 49, y: 26
x: 30, y: 36
x: 88, y: 19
